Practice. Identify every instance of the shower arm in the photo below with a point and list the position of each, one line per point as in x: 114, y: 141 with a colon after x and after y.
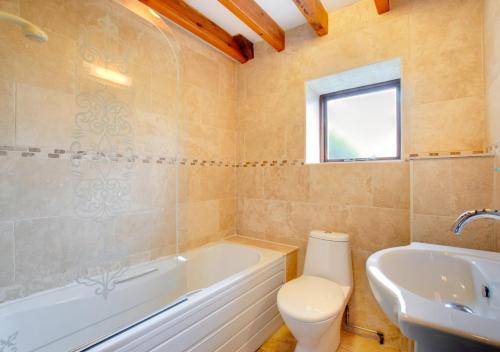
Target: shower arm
x: 29, y: 29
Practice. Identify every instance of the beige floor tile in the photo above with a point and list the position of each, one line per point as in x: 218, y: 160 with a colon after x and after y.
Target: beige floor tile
x: 283, y: 341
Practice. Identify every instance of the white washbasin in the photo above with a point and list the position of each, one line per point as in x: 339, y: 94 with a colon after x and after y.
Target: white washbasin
x: 435, y: 294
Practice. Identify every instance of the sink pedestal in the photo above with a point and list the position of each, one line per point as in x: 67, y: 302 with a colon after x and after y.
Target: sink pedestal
x: 430, y: 340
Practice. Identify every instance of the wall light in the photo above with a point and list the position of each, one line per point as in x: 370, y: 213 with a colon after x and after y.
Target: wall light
x: 154, y: 13
x: 109, y: 75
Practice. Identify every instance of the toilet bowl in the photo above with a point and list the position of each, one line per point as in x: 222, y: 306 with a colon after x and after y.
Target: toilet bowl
x: 312, y: 305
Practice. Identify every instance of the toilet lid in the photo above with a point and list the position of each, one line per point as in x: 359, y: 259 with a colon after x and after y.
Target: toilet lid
x: 310, y: 299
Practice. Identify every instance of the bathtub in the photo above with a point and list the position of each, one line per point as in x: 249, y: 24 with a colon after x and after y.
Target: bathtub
x: 219, y: 297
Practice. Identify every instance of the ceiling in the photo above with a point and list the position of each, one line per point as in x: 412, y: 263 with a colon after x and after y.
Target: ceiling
x: 284, y: 12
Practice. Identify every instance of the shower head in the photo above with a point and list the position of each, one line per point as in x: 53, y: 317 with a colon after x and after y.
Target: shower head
x: 34, y: 33
x: 30, y: 30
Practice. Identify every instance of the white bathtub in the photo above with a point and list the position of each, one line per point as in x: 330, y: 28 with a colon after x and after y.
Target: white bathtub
x: 222, y: 298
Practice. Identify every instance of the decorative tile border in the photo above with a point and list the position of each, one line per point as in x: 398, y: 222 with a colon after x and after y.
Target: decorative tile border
x: 63, y: 154
x: 494, y: 148
x: 263, y: 163
x: 447, y: 154
x: 51, y: 153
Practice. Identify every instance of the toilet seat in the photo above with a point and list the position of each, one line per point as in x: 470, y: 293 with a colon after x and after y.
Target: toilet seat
x: 311, y: 299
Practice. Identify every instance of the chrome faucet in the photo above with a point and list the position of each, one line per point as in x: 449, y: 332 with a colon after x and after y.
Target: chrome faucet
x: 471, y: 215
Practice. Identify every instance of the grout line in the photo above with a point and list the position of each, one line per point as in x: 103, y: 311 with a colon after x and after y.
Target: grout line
x: 412, y: 180
x: 14, y: 251
x: 15, y: 112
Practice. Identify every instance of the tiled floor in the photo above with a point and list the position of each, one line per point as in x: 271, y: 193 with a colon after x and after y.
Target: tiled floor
x: 283, y: 341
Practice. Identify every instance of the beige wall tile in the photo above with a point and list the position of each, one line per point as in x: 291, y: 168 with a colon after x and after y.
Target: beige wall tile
x: 7, y: 188
x: 6, y: 253
x: 190, y: 183
x: 228, y: 83
x: 447, y: 125
x: 49, y: 15
x: 42, y: 188
x: 44, y: 117
x: 7, y: 113
x: 448, y: 187
x: 492, y: 77
x: 252, y: 217
x: 445, y: 75
x: 155, y: 133
x: 363, y: 308
x: 8, y: 50
x: 472, y: 184
x: 343, y: 184
x: 432, y: 187
x: 437, y: 229
x: 286, y: 183
x: 200, y: 70
x: 218, y: 182
x: 227, y: 217
x: 199, y: 222
x: 493, y: 110
x: 278, y: 218
x: 52, y: 251
x: 157, y: 192
x: 295, y: 141
x: 264, y: 144
x: 391, y: 185
x: 373, y: 229
x: 491, y: 41
x: 308, y: 216
x: 198, y: 142
x: 11, y: 6
x: 163, y: 238
x: 358, y: 48
x: 460, y: 24
x: 250, y: 182
x: 52, y: 65
x: 135, y: 231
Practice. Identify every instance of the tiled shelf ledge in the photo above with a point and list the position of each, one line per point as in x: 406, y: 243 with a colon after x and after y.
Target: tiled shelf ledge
x: 430, y: 156
x: 290, y: 252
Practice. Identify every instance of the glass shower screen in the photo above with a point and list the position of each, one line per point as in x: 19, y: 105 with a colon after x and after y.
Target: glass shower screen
x: 89, y: 95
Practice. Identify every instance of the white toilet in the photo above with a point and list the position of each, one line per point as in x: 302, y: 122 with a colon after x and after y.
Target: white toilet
x: 313, y: 304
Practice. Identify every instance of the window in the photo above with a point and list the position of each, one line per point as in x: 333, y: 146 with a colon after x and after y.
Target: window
x: 362, y: 123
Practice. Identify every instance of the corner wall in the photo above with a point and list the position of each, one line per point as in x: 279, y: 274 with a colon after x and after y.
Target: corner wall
x: 440, y: 44
x: 492, y: 73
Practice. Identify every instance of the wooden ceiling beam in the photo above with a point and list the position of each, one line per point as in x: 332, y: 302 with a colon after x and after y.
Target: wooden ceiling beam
x: 250, y: 13
x: 315, y: 13
x: 178, y: 11
x: 382, y: 6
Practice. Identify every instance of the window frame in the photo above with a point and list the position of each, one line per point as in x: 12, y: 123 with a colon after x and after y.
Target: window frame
x: 325, y: 98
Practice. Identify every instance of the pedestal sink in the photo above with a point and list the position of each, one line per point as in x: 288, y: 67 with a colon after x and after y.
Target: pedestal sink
x: 444, y: 298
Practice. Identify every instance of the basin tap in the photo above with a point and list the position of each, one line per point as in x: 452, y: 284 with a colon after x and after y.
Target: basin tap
x: 471, y: 215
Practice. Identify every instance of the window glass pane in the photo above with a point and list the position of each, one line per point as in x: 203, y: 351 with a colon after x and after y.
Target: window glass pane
x: 363, y: 125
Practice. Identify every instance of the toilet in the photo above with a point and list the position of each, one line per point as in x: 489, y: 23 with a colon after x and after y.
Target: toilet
x: 312, y: 305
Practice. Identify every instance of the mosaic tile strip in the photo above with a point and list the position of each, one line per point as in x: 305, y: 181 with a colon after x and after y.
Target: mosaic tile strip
x: 494, y: 148
x: 63, y: 154
x: 447, y: 154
